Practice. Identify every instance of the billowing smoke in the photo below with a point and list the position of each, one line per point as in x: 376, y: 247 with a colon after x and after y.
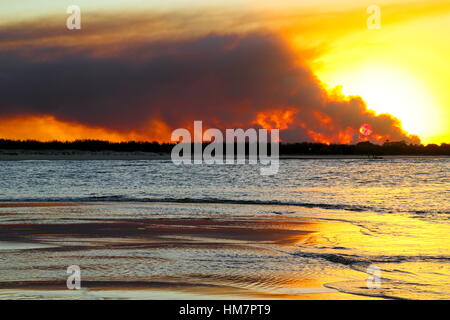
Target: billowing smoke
x: 227, y: 81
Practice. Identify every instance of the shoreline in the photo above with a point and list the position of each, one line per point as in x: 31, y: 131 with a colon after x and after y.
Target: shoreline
x: 23, y: 155
x: 19, y: 155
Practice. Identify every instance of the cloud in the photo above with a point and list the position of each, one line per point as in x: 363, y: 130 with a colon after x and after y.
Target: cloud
x: 231, y: 80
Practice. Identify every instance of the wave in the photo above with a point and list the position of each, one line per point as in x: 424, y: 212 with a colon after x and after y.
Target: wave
x: 121, y: 198
x: 355, y: 260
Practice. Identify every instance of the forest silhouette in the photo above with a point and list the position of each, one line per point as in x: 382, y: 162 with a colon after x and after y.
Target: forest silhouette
x: 304, y: 148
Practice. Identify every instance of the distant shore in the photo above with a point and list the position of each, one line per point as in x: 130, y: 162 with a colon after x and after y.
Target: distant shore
x: 20, y: 155
x: 135, y: 150
x: 12, y: 155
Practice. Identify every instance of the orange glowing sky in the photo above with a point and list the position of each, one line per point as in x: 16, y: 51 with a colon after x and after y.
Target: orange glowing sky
x: 400, y: 69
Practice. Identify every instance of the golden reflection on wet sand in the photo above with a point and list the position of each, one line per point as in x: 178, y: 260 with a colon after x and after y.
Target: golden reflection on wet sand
x: 273, y: 257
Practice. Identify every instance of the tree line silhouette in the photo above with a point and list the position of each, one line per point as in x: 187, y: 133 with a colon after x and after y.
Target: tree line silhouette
x: 304, y: 148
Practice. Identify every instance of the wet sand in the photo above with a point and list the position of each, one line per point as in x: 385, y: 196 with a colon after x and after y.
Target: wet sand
x: 154, y: 258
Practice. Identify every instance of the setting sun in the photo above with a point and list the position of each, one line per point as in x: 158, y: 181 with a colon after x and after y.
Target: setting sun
x: 387, y: 90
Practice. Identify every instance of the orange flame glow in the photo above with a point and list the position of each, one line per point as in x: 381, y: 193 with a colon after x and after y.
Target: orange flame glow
x: 276, y: 119
x: 48, y: 128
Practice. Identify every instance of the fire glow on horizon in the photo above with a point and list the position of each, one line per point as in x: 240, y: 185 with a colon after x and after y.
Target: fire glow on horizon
x: 90, y: 84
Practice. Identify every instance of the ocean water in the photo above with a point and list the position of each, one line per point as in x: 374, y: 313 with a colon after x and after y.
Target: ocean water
x: 311, y: 231
x: 418, y: 186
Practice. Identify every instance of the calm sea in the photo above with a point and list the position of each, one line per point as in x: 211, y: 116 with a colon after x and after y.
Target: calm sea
x: 392, y: 213
x: 417, y: 186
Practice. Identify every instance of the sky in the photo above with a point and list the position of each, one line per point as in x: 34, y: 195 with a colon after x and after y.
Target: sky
x: 139, y: 69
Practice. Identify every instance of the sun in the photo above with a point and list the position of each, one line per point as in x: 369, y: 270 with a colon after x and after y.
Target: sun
x: 389, y: 90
